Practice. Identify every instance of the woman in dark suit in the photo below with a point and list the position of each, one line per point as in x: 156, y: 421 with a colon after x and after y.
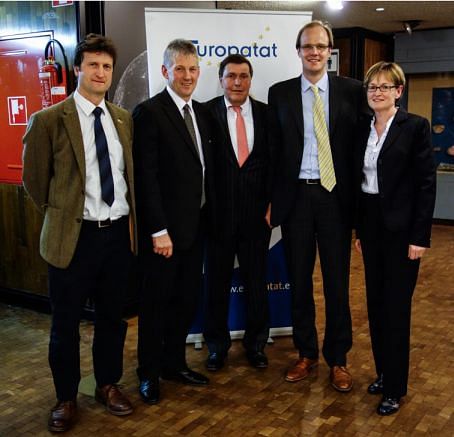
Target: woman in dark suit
x: 396, y: 184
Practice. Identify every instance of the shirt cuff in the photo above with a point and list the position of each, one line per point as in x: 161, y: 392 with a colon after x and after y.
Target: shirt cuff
x: 159, y: 234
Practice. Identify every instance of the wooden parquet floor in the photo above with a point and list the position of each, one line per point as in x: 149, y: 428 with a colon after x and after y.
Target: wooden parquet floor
x: 241, y: 401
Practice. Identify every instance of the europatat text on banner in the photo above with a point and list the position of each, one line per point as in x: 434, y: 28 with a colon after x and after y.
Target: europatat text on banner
x: 266, y: 38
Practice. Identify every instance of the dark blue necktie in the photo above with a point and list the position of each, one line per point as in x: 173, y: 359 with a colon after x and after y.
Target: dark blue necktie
x: 105, y: 171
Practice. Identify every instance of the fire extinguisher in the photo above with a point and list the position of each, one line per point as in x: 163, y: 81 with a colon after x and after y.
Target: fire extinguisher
x: 52, y: 77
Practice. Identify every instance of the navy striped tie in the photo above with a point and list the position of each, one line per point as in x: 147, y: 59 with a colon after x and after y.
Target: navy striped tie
x: 105, y: 171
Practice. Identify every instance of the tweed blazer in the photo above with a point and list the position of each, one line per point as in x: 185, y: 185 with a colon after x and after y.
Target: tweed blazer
x: 54, y: 175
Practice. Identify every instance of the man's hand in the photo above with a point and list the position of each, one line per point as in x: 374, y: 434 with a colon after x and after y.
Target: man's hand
x: 268, y: 216
x: 162, y: 245
x: 415, y: 252
x: 358, y: 245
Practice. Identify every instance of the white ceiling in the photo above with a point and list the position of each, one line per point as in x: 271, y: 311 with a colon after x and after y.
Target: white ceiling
x: 432, y: 14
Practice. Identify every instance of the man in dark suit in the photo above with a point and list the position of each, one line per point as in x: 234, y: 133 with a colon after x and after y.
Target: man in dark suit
x: 312, y: 119
x: 78, y: 171
x: 242, y: 189
x: 173, y: 163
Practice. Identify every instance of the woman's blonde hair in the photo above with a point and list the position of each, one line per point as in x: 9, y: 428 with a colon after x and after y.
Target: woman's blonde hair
x: 391, y: 69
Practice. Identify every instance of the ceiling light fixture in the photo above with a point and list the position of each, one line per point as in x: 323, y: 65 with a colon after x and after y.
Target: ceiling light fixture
x: 379, y: 9
x: 335, y: 4
x: 409, y: 25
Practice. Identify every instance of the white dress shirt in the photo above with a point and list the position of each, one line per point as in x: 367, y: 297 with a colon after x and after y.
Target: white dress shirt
x: 95, y: 208
x: 309, y: 164
x: 374, y: 146
x: 246, y: 112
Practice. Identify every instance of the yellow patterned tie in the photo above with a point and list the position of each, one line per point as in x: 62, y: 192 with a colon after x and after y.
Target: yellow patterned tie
x: 325, y: 159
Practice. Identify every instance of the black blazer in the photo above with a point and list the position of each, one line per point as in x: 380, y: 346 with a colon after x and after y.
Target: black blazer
x: 286, y: 124
x: 168, y: 170
x: 242, y: 192
x: 406, y: 174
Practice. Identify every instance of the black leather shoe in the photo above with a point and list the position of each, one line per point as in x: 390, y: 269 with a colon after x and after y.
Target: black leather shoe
x: 149, y: 391
x: 185, y: 376
x: 388, y: 406
x: 376, y: 387
x: 214, y: 362
x: 257, y: 359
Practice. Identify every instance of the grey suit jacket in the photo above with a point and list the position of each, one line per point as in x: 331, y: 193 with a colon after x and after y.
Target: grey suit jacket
x: 54, y: 175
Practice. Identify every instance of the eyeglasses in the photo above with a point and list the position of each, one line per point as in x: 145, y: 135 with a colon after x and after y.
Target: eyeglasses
x: 383, y: 88
x: 318, y: 47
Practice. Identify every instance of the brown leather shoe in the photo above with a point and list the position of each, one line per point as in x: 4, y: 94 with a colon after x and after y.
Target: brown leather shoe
x: 300, y: 370
x: 114, y: 400
x: 340, y: 378
x: 62, y: 416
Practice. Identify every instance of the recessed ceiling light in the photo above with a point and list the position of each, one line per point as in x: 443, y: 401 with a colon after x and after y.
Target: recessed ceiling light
x: 335, y: 4
x: 379, y: 9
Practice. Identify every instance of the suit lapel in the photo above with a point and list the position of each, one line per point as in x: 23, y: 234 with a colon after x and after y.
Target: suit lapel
x: 258, y: 123
x: 174, y: 114
x: 72, y: 125
x: 334, y: 104
x: 363, y: 136
x: 124, y: 135
x: 203, y: 130
x: 221, y: 110
x: 295, y: 99
x: 394, y: 130
x: 120, y: 125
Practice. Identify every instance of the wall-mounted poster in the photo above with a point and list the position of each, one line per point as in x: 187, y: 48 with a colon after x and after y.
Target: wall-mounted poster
x: 443, y: 127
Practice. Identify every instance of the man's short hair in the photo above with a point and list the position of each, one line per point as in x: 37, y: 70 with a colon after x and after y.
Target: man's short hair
x: 316, y: 23
x: 178, y: 47
x: 94, y: 43
x: 234, y: 59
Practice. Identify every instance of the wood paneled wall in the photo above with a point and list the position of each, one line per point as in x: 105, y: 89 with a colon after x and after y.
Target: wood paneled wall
x: 374, y: 51
x: 21, y: 266
x: 345, y: 55
x: 420, y: 88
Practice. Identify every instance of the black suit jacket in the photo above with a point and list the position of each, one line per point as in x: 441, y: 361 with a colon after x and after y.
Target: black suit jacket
x: 243, y: 193
x: 168, y: 170
x: 286, y: 124
x: 406, y: 174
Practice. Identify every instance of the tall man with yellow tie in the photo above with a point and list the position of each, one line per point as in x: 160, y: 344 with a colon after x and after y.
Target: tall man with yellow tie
x: 312, y: 120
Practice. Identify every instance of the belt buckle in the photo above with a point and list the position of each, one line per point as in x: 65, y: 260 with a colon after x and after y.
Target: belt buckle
x: 311, y: 182
x: 104, y: 223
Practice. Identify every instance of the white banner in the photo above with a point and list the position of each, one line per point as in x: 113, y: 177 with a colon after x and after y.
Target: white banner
x: 266, y: 38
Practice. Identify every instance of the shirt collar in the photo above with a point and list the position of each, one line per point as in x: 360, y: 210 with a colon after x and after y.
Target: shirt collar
x: 322, y: 84
x: 388, y: 123
x: 86, y: 106
x: 245, y: 107
x: 178, y: 100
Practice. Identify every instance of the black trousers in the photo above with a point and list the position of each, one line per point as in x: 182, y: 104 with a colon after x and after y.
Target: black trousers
x: 252, y: 255
x: 99, y: 269
x: 390, y: 281
x: 316, y: 221
x: 171, y: 292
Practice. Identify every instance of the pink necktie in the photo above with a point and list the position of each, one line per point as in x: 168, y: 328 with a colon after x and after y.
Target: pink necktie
x: 241, y: 137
